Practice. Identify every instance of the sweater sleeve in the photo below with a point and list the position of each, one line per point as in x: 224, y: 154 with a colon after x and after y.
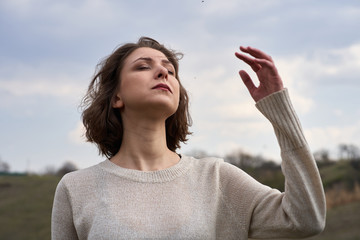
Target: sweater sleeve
x: 300, y: 210
x: 62, y: 226
x: 268, y: 213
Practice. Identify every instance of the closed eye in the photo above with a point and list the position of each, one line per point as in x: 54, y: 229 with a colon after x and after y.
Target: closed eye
x: 171, y: 72
x: 143, y: 67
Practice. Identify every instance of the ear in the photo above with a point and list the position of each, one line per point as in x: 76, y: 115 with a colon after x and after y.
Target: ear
x: 117, y: 102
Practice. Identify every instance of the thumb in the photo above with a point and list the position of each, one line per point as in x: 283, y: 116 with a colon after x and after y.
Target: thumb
x: 247, y: 81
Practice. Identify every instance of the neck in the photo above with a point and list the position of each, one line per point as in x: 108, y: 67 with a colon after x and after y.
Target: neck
x: 144, y: 146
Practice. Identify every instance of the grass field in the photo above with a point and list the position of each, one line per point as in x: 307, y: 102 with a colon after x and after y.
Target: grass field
x: 342, y: 223
x: 25, y: 206
x: 26, y: 202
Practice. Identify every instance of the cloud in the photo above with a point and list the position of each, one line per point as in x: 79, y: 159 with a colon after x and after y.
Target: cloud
x: 329, y: 137
x: 49, y: 50
x: 224, y: 114
x: 241, y: 110
x: 303, y: 74
x: 48, y: 80
x: 61, y: 29
x: 77, y: 135
x: 222, y: 137
x: 307, y: 73
x: 351, y: 13
x: 62, y: 12
x: 306, y: 69
x: 23, y: 88
x: 235, y: 7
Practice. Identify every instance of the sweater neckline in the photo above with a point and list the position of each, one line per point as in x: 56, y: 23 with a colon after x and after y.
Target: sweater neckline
x: 158, y: 176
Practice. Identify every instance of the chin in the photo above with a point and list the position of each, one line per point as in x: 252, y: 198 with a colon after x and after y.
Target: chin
x: 169, y: 111
x: 163, y: 108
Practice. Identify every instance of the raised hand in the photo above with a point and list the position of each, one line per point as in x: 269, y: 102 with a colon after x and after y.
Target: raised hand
x: 265, y: 69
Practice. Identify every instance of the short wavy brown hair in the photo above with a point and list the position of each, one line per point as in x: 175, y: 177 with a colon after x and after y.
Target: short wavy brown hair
x: 103, y: 123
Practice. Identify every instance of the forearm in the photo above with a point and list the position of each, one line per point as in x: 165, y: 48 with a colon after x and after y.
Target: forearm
x: 302, y: 206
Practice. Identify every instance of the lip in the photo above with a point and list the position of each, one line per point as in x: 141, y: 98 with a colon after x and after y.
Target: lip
x: 163, y: 87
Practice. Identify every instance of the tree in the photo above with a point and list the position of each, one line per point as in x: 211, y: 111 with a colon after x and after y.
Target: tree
x: 243, y: 159
x: 4, y: 167
x: 50, y: 170
x: 197, y: 153
x: 66, y: 168
x: 349, y: 152
x: 322, y: 155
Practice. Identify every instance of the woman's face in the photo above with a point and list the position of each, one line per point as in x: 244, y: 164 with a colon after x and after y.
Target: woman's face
x: 148, y: 84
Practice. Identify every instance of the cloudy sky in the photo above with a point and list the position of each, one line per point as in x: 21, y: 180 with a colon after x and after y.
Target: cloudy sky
x: 49, y: 51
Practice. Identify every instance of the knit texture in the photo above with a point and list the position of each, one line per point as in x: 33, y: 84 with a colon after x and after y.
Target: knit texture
x: 196, y: 198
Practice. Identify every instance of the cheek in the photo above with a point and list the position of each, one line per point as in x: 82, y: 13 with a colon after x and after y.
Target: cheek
x: 131, y: 85
x: 178, y: 90
x: 126, y: 82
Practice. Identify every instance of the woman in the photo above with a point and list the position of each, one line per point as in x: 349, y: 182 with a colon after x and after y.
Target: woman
x: 136, y: 111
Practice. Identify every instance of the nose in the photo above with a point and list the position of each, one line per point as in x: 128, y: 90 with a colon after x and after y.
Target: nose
x: 162, y: 73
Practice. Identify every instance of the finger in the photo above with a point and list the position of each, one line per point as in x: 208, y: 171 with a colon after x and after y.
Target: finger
x: 250, y: 61
x: 247, y: 81
x: 256, y: 53
x: 273, y: 72
x: 265, y: 63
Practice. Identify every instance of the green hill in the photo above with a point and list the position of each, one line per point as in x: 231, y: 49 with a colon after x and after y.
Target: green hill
x: 343, y: 172
x: 26, y: 202
x: 25, y: 206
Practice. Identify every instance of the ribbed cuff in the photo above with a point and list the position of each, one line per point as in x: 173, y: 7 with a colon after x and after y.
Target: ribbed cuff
x: 278, y: 109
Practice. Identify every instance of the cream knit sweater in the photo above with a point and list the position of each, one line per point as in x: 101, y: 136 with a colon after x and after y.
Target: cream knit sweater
x: 196, y: 198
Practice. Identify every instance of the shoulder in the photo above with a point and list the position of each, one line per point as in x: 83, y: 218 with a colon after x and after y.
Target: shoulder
x: 229, y: 178
x: 227, y: 174
x: 211, y: 162
x: 218, y: 166
x: 204, y: 163
x: 204, y: 160
x: 86, y: 176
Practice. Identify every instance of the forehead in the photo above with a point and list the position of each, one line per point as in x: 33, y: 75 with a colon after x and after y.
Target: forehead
x: 145, y: 52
